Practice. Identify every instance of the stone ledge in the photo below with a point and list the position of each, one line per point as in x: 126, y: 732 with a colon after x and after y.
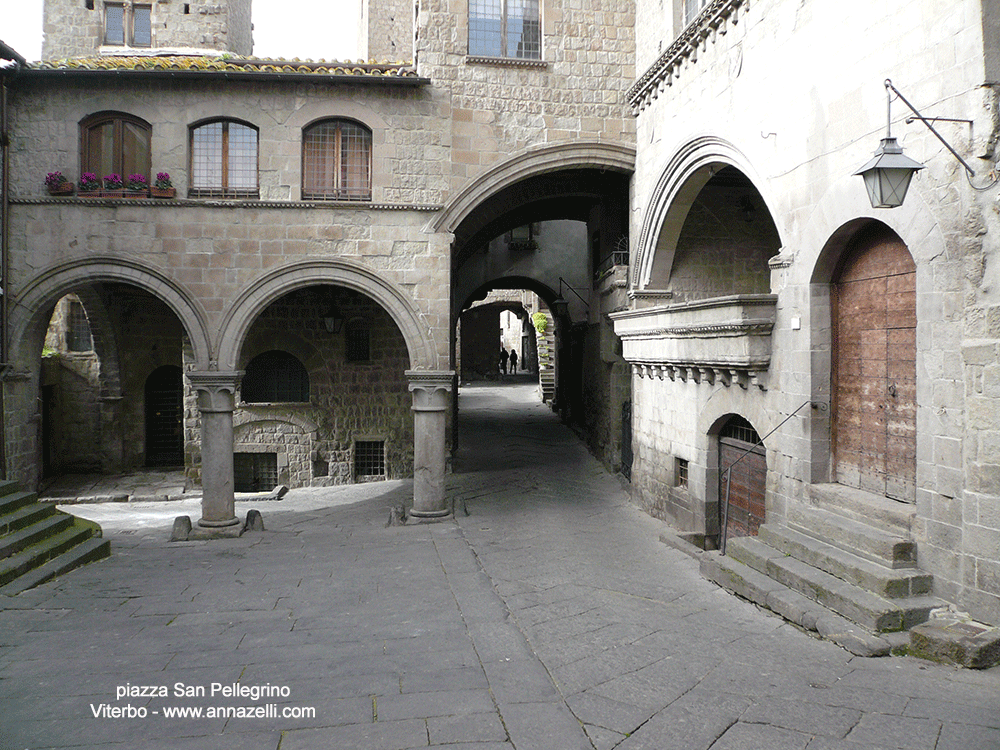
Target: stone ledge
x: 954, y: 639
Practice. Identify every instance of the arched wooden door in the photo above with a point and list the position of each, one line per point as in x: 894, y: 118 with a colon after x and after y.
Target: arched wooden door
x: 874, y: 366
x: 746, y: 483
x: 164, y: 417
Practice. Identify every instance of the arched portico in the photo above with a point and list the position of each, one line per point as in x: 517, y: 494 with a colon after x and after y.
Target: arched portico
x: 429, y: 385
x: 27, y: 312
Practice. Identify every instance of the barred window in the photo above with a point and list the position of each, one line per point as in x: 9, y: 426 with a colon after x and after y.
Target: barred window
x: 369, y: 459
x: 78, y: 335
x: 275, y: 377
x: 358, y: 341
x: 255, y: 472
x: 505, y: 28
x: 224, y: 160
x: 738, y: 428
x: 337, y: 161
x: 114, y: 143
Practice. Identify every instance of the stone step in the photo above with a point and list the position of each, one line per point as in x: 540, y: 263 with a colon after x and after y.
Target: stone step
x: 90, y: 550
x: 753, y: 585
x: 856, y: 537
x: 25, y: 516
x: 875, y: 613
x: 8, y: 486
x: 14, y: 499
x: 875, y: 510
x: 41, y: 552
x: 11, y: 544
x: 891, y: 583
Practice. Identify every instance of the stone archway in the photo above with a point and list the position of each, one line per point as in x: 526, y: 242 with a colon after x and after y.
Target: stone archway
x: 690, y: 169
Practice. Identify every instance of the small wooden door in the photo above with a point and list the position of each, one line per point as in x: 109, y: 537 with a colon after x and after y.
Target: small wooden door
x: 874, y: 366
x: 747, y: 485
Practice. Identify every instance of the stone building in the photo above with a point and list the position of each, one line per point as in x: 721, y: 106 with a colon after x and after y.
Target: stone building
x: 679, y: 194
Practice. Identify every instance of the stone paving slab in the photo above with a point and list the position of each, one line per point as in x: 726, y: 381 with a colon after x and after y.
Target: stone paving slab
x: 550, y: 618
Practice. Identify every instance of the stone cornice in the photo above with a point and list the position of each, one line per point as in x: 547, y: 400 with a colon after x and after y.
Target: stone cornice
x: 196, y: 203
x: 712, y: 19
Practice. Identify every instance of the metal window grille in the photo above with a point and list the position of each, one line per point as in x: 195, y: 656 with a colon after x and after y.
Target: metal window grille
x: 336, y: 162
x: 255, y: 472
x: 275, y: 377
x: 682, y: 473
x: 358, y: 343
x: 224, y: 160
x: 738, y: 428
x: 369, y: 458
x: 505, y: 28
x: 142, y: 34
x: 114, y: 24
x: 78, y: 334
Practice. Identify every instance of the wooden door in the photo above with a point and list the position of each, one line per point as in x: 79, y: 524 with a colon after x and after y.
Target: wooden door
x: 874, y: 367
x: 745, y: 488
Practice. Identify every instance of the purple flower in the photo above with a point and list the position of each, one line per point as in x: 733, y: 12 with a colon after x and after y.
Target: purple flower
x: 54, y: 180
x: 113, y: 181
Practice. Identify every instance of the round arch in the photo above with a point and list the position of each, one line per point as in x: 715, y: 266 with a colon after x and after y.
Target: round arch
x: 545, y: 293
x: 532, y: 161
x: 27, y: 314
x: 685, y: 174
x: 419, y: 339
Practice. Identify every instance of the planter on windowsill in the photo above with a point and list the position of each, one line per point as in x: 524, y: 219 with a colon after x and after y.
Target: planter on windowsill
x: 129, y: 193
x: 156, y: 192
x: 63, y: 189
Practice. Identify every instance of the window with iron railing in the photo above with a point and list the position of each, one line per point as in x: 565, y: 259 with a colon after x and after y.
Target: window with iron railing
x: 337, y: 161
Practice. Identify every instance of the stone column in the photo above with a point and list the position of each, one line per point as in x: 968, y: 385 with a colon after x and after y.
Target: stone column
x: 216, y: 401
x: 431, y: 391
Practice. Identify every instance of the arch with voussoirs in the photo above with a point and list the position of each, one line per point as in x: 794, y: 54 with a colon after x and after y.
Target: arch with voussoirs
x: 428, y: 381
x: 544, y: 221
x: 110, y: 290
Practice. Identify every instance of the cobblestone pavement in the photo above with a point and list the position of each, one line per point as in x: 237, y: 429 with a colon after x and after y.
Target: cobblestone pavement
x: 549, y: 617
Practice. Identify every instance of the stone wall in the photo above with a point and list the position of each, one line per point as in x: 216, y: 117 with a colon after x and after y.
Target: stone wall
x: 74, y: 30
x: 387, y: 30
x: 764, y: 98
x: 498, y: 108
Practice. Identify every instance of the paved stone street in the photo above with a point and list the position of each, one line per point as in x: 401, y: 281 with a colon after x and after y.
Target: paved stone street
x: 550, y: 617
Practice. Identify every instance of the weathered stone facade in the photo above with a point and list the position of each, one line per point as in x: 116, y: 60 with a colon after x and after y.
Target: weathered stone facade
x: 704, y: 174
x: 750, y: 88
x: 76, y: 27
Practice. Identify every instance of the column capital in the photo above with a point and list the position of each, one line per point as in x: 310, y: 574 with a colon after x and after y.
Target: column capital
x: 216, y: 389
x: 430, y: 388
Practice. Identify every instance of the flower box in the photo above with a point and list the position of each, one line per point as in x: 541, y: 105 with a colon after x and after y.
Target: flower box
x: 65, y: 188
x: 157, y: 192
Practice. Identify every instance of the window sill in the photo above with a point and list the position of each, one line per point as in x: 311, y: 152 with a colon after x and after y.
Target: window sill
x: 506, y: 62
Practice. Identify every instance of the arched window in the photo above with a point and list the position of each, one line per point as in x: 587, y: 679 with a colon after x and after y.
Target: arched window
x: 337, y: 161
x: 275, y: 376
x: 224, y: 160
x: 114, y: 143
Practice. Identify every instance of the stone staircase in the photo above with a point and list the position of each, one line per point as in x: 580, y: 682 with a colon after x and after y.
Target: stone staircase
x: 845, y: 565
x: 38, y: 542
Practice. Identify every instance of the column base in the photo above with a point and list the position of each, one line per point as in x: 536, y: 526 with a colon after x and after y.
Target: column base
x: 218, y: 524
x: 215, y: 532
x: 429, y: 516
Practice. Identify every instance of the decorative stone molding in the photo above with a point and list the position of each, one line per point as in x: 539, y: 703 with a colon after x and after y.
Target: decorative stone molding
x: 506, y: 62
x: 720, y: 340
x: 712, y: 21
x: 216, y: 390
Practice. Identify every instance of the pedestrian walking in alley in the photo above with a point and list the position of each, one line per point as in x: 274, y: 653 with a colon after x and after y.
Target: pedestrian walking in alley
x: 513, y: 361
x: 503, y: 360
